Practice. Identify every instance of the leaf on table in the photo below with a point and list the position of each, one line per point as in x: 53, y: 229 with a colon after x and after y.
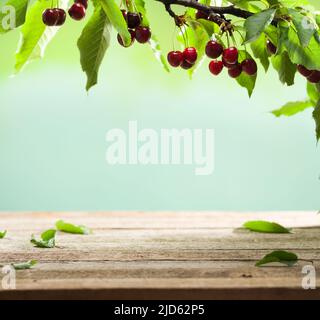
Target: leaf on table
x: 265, y: 227
x: 292, y: 108
x: 3, y: 234
x: 283, y: 257
x: 47, y: 239
x: 25, y: 265
x: 71, y: 228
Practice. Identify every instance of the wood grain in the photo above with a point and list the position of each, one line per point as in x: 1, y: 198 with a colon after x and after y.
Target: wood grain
x: 159, y: 255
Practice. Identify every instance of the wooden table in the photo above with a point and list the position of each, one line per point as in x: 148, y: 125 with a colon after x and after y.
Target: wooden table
x: 159, y: 255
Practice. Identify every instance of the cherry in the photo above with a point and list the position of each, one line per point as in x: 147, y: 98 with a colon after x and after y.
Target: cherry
x: 190, y: 55
x: 201, y: 15
x: 134, y: 20
x: 228, y: 65
x: 133, y: 36
x: 83, y: 2
x: 61, y: 16
x: 186, y: 65
x: 314, y: 77
x: 236, y: 71
x: 50, y: 17
x: 214, y: 49
x: 77, y: 11
x: 125, y: 15
x: 143, y: 34
x: 230, y: 55
x: 249, y: 66
x: 175, y: 58
x: 215, y: 67
x: 271, y: 47
x: 304, y: 71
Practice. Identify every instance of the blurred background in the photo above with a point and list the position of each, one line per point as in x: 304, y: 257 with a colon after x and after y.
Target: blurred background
x: 52, y: 133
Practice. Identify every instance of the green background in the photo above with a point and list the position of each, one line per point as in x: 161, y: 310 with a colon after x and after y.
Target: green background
x: 52, y: 133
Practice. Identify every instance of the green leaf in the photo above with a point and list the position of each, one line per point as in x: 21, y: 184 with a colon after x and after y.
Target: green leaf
x: 308, y: 56
x: 35, y: 35
x: 304, y: 26
x: 244, y: 79
x: 313, y: 93
x: 25, y: 265
x: 257, y: 23
x: 283, y: 257
x: 116, y: 18
x: 70, y: 228
x: 93, y: 43
x: 20, y: 7
x: 316, y: 117
x: 286, y: 69
x: 141, y: 7
x: 292, y: 108
x: 3, y: 234
x: 47, y: 239
x: 265, y: 227
x: 260, y: 52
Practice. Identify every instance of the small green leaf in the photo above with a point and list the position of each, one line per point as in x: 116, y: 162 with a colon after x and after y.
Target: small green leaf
x: 283, y: 257
x: 116, y: 18
x: 313, y: 93
x: 25, y: 265
x: 286, y: 69
x: 3, y: 234
x: 304, y: 26
x: 292, y: 108
x: 265, y: 227
x: 316, y: 117
x: 155, y: 46
x: 93, y: 43
x: 257, y: 23
x: 70, y: 228
x: 47, y: 239
x: 260, y: 52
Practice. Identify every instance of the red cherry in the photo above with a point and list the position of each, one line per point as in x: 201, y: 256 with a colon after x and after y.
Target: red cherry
x: 190, y: 55
x: 134, y: 20
x: 50, y: 17
x: 175, y: 58
x: 214, y: 49
x: 314, y: 77
x: 133, y: 36
x: 235, y: 72
x: 61, y: 16
x: 143, y: 34
x: 249, y: 66
x: 201, y: 15
x: 125, y: 14
x: 215, y: 67
x: 271, y: 47
x: 229, y: 65
x: 230, y: 55
x: 304, y: 71
x: 186, y: 65
x: 77, y: 11
x: 83, y: 2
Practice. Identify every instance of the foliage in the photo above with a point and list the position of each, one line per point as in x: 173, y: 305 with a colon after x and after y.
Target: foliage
x: 71, y: 228
x: 47, y: 239
x: 265, y: 227
x: 284, y: 257
x: 292, y: 26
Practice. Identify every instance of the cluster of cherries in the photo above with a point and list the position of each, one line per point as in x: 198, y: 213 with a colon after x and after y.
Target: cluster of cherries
x: 185, y: 59
x: 137, y: 31
x: 57, y: 16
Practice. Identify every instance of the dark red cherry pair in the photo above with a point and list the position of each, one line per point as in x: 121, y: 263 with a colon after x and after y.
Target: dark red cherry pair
x: 185, y: 59
x: 54, y: 17
x: 138, y: 32
x: 313, y: 76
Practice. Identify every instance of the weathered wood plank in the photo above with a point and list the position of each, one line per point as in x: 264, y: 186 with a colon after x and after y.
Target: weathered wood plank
x: 169, y: 255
